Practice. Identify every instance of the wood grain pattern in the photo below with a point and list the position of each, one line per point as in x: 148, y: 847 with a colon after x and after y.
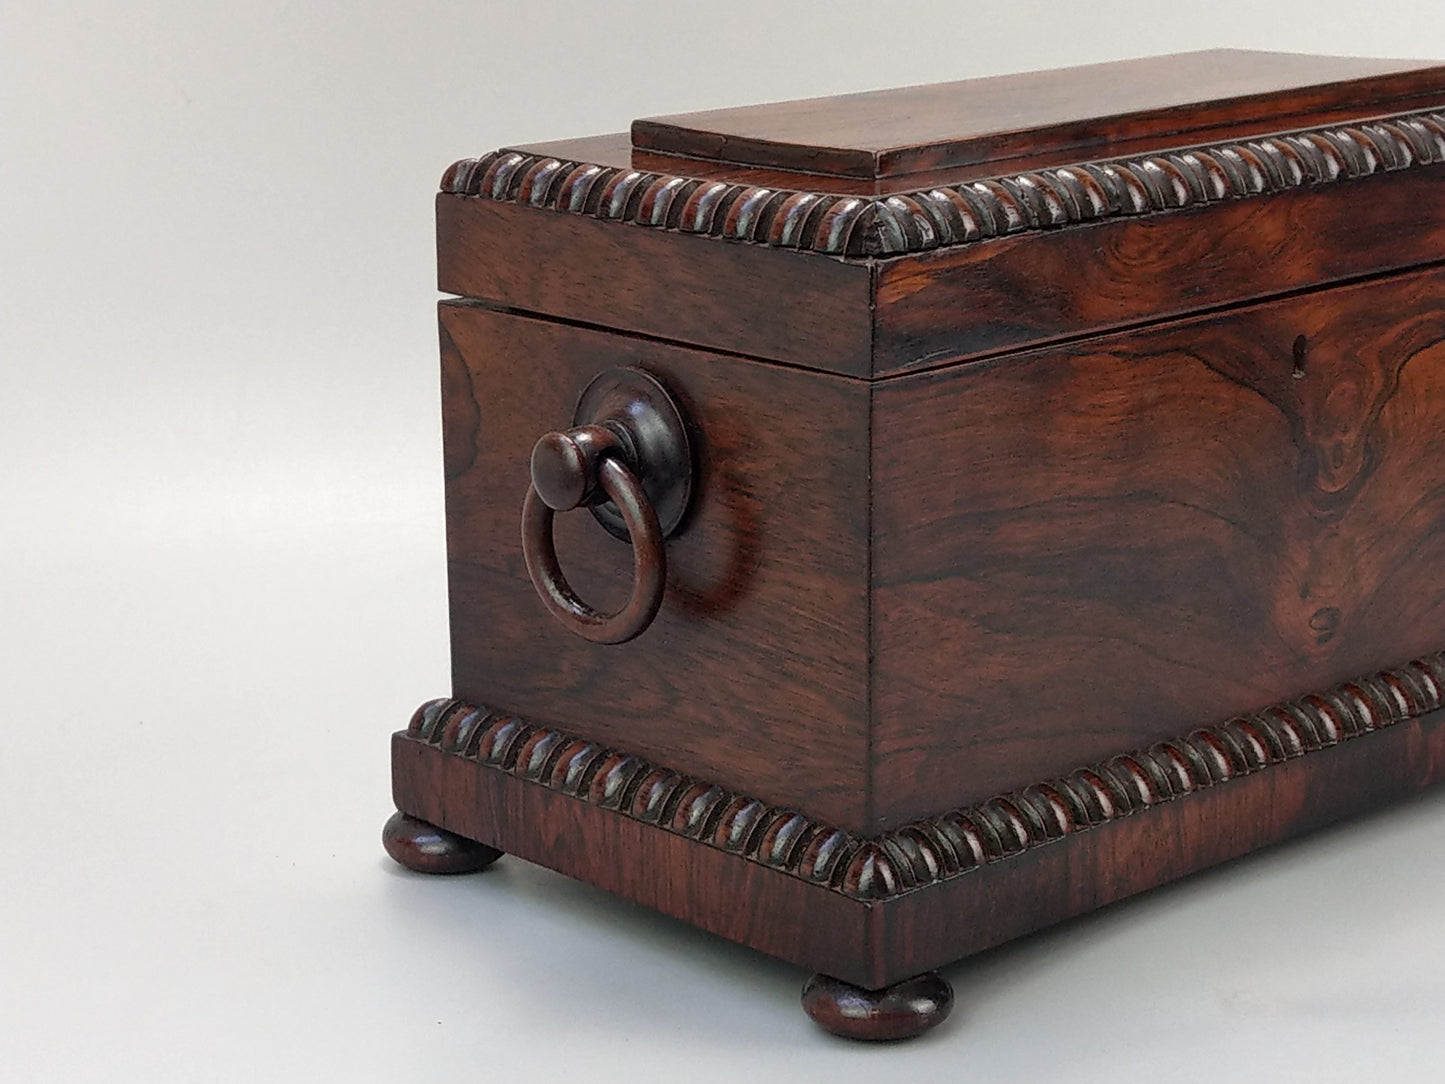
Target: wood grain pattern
x: 697, y: 809
x: 769, y: 303
x: 1080, y: 873
x: 761, y: 639
x: 1096, y: 545
x: 950, y: 215
x: 935, y: 309
x: 937, y: 848
x: 713, y: 889
x: 948, y: 635
x: 1158, y: 244
x: 873, y: 943
x: 906, y: 130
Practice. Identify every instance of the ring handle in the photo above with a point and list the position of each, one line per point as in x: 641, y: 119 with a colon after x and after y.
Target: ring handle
x: 649, y: 561
x: 627, y: 459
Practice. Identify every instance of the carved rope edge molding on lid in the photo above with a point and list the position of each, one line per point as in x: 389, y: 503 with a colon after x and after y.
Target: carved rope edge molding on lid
x: 957, y: 214
x: 954, y: 843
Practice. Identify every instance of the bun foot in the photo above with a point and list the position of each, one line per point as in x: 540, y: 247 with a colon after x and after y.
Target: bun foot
x: 900, y: 1011
x: 426, y: 848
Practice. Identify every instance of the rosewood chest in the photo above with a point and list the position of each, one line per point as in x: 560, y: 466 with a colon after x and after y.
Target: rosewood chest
x: 884, y: 525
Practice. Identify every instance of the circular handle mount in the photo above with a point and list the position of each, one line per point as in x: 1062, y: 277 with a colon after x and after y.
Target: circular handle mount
x: 626, y: 459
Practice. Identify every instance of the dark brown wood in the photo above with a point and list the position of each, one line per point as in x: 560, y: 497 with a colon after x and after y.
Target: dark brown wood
x: 1070, y: 111
x: 723, y: 893
x: 902, y: 1011
x: 591, y: 827
x: 938, y: 308
x: 652, y: 439
x: 1082, y: 873
x: 943, y: 846
x: 1096, y: 543
x: 425, y: 848
x: 770, y: 210
x: 649, y: 561
x: 614, y: 151
x: 754, y: 672
x: 629, y: 459
x: 768, y: 303
x: 1069, y: 496
x: 984, y: 267
x: 565, y: 465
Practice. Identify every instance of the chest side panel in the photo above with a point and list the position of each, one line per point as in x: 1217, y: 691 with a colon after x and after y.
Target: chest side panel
x: 659, y: 283
x: 1090, y: 548
x: 753, y: 674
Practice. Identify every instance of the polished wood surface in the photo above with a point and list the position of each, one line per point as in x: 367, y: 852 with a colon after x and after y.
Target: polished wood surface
x: 876, y: 944
x: 1055, y: 520
x: 649, y: 561
x: 425, y: 848
x: 614, y: 150
x: 938, y: 308
x: 960, y: 212
x: 902, y: 1011
x: 1068, y: 111
x: 745, y: 902
x: 627, y: 458
x: 754, y: 672
x: 980, y: 268
x: 767, y: 303
x: 1020, y: 548
x: 955, y: 842
x: 1133, y: 854
x: 1097, y: 544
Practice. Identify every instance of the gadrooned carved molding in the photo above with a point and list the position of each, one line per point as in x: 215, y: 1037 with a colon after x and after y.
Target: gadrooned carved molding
x: 951, y: 844
x: 957, y: 214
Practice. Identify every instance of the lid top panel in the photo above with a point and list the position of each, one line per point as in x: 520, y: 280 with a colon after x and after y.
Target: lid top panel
x: 889, y: 133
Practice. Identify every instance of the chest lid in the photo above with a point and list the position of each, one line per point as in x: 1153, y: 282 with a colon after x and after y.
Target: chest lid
x: 1069, y: 114
x: 950, y: 207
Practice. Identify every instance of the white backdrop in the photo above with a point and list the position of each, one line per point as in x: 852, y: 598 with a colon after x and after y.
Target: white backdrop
x: 221, y: 584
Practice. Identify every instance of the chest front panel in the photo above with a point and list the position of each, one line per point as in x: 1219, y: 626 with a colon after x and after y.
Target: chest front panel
x: 1090, y: 548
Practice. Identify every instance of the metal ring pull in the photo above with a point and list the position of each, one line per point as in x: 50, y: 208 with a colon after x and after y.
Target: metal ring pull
x: 629, y: 461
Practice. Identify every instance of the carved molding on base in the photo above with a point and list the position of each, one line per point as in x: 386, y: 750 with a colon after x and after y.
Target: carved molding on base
x: 952, y: 843
x: 957, y: 214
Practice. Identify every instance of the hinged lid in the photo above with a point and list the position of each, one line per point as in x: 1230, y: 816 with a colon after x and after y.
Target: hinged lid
x: 877, y: 234
x: 1071, y: 113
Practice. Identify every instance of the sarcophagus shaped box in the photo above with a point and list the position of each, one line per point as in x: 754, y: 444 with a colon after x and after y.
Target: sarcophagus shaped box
x: 881, y: 526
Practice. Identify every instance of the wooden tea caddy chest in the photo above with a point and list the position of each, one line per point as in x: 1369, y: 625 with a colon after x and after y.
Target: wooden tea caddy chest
x: 1005, y: 496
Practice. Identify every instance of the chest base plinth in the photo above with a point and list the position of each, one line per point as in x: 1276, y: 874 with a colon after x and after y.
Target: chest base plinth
x: 877, y: 911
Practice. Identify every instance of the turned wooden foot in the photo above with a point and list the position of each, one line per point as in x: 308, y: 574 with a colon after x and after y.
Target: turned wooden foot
x: 428, y: 849
x: 900, y: 1011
